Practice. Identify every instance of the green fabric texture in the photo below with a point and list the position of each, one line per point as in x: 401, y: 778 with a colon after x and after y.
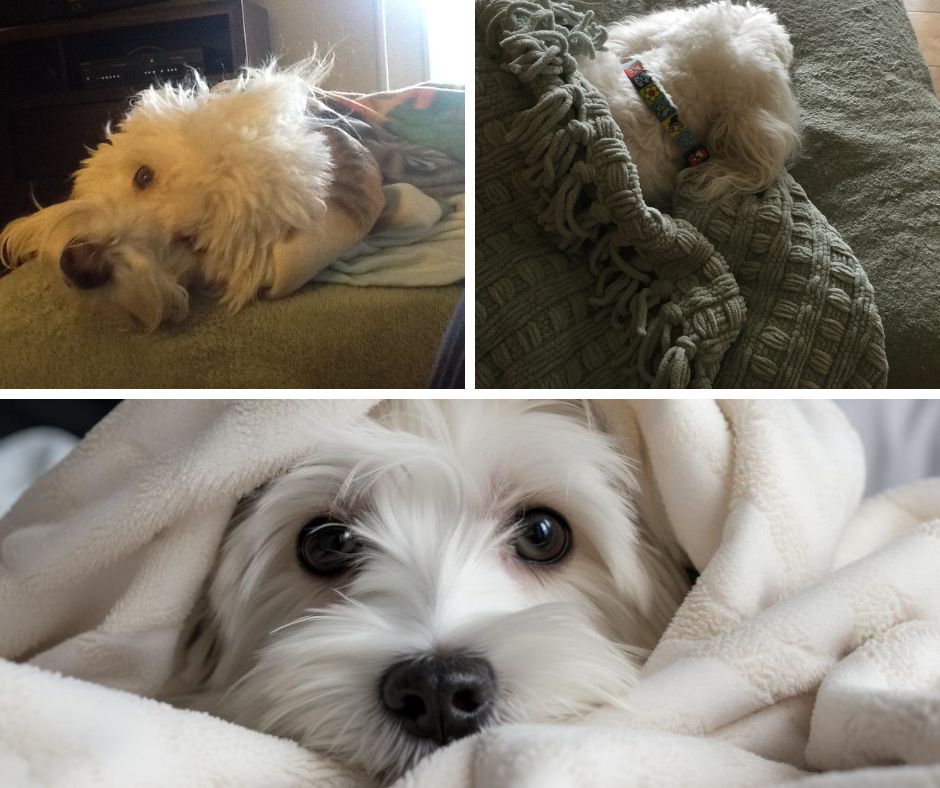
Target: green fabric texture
x: 811, y: 319
x: 870, y: 157
x: 575, y: 307
x: 324, y: 336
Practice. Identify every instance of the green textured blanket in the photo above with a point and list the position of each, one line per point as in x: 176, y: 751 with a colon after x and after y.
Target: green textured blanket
x: 579, y: 284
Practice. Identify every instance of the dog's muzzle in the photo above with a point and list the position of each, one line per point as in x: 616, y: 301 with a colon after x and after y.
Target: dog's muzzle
x: 85, y: 265
x: 440, y: 697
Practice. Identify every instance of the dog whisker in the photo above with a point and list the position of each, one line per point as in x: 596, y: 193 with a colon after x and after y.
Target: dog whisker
x: 32, y: 198
x: 295, y: 622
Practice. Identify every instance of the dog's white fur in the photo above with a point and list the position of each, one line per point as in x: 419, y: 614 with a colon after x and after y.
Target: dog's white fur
x: 243, y: 179
x: 726, y: 69
x: 434, y: 489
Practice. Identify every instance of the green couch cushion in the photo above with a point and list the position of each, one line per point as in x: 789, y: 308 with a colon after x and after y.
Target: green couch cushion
x: 324, y: 336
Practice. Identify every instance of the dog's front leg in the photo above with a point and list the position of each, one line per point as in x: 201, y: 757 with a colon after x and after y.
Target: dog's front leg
x: 299, y: 258
x: 355, y: 204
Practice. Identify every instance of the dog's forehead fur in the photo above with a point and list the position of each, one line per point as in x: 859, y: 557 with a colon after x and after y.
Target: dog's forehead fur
x: 211, y: 147
x: 420, y: 475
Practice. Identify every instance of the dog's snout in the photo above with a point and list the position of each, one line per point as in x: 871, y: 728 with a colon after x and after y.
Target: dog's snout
x: 85, y: 265
x: 440, y: 697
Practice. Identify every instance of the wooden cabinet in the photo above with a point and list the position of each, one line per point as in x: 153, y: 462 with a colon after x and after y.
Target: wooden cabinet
x: 59, y: 84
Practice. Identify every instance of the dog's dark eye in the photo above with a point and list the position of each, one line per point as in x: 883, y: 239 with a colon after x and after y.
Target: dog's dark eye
x: 326, y: 547
x: 543, y: 536
x: 143, y: 178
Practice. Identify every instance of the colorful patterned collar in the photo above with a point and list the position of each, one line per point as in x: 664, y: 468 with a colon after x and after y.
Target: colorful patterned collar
x: 665, y: 111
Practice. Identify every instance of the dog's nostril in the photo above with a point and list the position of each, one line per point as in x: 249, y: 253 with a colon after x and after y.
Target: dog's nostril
x: 440, y: 697
x: 466, y: 700
x: 85, y: 265
x: 412, y: 707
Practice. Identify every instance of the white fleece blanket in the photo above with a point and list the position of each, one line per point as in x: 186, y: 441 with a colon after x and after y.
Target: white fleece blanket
x: 810, y: 643
x: 26, y: 455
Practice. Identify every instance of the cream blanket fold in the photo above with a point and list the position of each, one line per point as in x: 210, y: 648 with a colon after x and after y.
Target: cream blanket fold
x: 810, y: 642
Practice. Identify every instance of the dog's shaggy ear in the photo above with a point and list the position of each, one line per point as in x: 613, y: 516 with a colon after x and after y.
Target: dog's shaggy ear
x: 752, y: 141
x: 41, y: 234
x: 747, y: 150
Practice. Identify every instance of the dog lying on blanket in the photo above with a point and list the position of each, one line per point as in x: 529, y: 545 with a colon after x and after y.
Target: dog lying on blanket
x: 242, y: 188
x: 444, y: 567
x: 712, y: 78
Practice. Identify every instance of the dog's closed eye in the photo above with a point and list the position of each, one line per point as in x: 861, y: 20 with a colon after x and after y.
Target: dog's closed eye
x: 143, y: 177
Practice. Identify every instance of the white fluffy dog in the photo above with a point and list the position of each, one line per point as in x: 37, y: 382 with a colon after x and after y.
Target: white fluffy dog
x: 725, y: 68
x: 243, y: 188
x: 448, y: 566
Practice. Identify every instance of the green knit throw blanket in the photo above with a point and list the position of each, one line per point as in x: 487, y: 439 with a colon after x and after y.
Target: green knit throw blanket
x: 580, y: 284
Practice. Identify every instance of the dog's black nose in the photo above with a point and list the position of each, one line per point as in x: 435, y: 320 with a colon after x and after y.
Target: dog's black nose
x: 85, y: 265
x: 440, y: 697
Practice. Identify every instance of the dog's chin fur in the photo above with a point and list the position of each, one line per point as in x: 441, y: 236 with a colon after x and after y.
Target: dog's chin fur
x: 726, y: 68
x: 434, y: 489
x: 238, y: 168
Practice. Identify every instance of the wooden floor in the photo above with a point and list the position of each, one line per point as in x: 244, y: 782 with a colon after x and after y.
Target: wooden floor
x: 925, y: 18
